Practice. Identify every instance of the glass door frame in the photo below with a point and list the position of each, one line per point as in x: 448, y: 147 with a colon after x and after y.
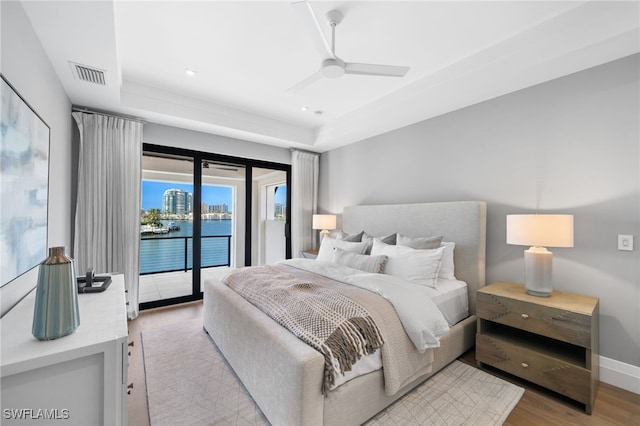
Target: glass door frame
x: 198, y: 158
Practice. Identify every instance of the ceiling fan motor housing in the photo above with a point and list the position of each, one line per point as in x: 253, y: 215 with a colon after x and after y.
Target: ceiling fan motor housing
x: 333, y: 68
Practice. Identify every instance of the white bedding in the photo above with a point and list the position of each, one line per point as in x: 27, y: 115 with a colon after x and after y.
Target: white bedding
x: 439, y: 308
x: 420, y: 317
x: 452, y: 299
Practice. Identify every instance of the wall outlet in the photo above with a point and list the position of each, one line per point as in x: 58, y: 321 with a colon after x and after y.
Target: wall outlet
x: 625, y: 242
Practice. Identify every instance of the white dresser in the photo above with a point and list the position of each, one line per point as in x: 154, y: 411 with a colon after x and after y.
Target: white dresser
x: 79, y: 379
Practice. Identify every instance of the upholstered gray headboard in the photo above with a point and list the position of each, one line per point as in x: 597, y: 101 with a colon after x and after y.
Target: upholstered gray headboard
x: 463, y: 222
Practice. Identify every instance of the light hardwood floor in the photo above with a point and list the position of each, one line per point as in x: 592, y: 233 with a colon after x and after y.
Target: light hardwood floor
x: 613, y: 406
x: 150, y: 320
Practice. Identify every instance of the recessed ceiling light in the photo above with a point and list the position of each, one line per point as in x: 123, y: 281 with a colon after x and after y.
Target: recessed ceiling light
x: 189, y: 72
x: 304, y: 108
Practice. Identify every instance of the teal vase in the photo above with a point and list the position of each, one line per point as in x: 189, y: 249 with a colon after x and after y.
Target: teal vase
x: 56, y: 312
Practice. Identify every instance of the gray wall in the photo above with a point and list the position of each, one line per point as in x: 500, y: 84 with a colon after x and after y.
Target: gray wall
x: 26, y: 66
x: 567, y: 146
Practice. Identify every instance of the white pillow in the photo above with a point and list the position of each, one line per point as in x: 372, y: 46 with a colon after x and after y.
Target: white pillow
x: 447, y: 267
x: 326, y: 248
x: 363, y: 262
x: 413, y: 265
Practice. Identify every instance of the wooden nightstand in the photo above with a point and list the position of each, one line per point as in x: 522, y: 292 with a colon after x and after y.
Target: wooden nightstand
x: 551, y: 341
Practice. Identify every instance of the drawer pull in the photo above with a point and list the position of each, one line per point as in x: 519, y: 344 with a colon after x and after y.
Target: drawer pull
x: 525, y: 316
x: 525, y: 365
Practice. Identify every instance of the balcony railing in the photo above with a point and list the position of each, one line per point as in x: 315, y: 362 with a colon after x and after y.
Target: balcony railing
x: 168, y: 254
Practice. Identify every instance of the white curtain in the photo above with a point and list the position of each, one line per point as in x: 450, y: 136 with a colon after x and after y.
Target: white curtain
x: 304, y: 193
x: 107, y: 222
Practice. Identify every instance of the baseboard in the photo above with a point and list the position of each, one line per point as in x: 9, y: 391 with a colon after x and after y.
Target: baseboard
x: 619, y: 374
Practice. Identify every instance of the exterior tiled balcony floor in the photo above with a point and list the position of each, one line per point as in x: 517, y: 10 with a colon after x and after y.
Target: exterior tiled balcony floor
x: 173, y: 284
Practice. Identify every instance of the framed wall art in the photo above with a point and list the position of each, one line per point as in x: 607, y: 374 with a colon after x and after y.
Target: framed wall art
x: 24, y: 185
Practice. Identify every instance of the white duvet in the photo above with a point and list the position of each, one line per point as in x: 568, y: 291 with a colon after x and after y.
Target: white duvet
x: 420, y: 317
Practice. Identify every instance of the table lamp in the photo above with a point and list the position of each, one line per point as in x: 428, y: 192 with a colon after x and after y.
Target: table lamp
x: 539, y: 231
x: 324, y: 222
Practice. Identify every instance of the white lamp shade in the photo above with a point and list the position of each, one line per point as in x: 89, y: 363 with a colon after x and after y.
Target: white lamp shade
x: 324, y: 221
x: 540, y: 230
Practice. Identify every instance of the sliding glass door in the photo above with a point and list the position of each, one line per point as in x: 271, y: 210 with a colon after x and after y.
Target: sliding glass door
x: 166, y: 227
x: 222, y: 217
x: 203, y: 214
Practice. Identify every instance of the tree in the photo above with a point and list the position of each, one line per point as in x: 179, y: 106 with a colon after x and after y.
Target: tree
x: 152, y: 217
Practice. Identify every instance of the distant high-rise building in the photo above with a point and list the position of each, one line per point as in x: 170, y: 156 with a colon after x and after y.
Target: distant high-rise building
x: 280, y: 209
x: 218, y: 208
x: 177, y: 201
x: 189, y: 203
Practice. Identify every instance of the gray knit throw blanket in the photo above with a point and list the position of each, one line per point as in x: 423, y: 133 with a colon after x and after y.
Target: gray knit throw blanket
x: 336, y: 326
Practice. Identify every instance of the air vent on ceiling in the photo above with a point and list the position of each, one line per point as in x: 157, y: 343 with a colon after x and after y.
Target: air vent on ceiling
x: 89, y: 74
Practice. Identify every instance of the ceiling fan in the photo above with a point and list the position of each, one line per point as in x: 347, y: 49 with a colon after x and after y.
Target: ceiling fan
x: 332, y: 66
x: 218, y: 166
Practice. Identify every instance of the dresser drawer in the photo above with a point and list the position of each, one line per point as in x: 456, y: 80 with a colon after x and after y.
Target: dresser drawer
x: 560, y: 324
x: 548, y: 371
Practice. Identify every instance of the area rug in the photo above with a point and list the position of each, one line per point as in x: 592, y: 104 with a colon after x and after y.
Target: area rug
x: 190, y: 383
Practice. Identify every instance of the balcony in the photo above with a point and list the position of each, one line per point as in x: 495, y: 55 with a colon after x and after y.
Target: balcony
x: 166, y: 264
x: 166, y: 285
x: 169, y: 254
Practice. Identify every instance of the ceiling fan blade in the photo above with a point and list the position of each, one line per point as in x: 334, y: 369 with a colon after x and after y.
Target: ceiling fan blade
x: 304, y: 10
x: 226, y: 169
x: 375, y: 69
x: 306, y: 82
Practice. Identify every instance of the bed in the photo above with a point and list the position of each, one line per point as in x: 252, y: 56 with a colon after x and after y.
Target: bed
x: 284, y: 375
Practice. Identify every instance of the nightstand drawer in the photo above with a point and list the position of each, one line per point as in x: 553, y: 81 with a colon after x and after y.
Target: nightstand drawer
x: 553, y: 373
x: 560, y: 324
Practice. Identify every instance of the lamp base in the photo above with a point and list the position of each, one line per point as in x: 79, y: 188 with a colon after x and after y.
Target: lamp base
x: 538, y: 293
x: 537, y: 271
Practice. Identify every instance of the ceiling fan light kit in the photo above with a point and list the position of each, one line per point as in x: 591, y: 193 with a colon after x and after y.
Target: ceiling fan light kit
x: 332, y: 66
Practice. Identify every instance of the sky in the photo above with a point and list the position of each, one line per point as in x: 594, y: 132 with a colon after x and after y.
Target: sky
x: 281, y: 194
x: 152, y: 192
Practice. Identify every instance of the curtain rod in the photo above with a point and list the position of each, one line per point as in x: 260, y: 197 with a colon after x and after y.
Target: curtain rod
x: 86, y: 110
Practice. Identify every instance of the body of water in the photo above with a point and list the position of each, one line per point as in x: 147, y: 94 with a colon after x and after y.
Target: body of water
x: 209, y: 228
x: 172, y: 251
